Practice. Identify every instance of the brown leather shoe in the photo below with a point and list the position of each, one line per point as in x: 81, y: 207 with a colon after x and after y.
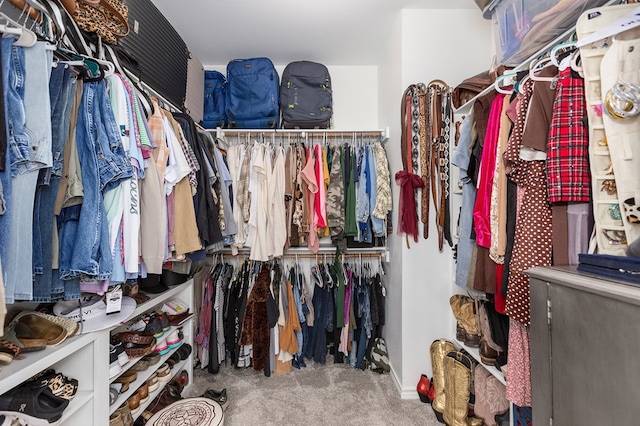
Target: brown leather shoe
x: 143, y: 391
x: 134, y: 403
x: 126, y: 379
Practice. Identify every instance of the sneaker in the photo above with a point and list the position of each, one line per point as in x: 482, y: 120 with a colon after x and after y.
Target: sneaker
x: 173, y: 340
x: 162, y: 348
x: 154, y: 325
x: 33, y: 402
x: 114, y: 364
x: 123, y: 358
x: 219, y: 397
x: 164, y: 320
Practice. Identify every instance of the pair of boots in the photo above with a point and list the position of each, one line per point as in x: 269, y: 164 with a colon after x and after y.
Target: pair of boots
x: 464, y: 310
x: 452, y: 382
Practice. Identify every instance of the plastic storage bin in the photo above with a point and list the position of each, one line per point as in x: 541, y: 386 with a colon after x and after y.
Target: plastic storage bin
x: 523, y: 27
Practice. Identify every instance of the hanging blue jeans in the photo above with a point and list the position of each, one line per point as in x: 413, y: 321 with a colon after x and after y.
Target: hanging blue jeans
x: 104, y: 166
x: 29, y: 128
x: 62, y: 87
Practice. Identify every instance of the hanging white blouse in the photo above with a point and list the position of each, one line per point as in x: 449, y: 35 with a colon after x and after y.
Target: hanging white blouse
x: 252, y: 188
x: 277, y: 213
x: 235, y: 155
x: 258, y: 220
x: 177, y: 166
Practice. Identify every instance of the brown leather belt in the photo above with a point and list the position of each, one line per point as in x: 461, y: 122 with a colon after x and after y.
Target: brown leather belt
x: 439, y: 118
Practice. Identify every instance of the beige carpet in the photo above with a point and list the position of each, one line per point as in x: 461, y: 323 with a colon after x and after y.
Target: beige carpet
x: 331, y: 394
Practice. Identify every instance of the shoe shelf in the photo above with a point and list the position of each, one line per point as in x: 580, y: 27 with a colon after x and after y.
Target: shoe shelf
x: 475, y: 352
x: 159, y: 341
x: 156, y: 300
x: 177, y: 368
x: 184, y: 292
x: 77, y: 403
x: 143, y: 376
x: 20, y: 370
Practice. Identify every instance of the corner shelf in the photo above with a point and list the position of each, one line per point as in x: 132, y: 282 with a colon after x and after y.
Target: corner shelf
x: 20, y: 370
x: 143, y: 376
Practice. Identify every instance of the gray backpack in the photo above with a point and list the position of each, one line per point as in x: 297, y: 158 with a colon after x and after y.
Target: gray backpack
x: 305, y: 96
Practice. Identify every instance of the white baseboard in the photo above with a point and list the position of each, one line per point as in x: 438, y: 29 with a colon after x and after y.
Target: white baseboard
x: 405, y: 393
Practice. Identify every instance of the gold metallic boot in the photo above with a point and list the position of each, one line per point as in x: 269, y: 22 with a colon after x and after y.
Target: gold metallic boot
x: 457, y: 378
x: 439, y: 350
x: 455, y: 301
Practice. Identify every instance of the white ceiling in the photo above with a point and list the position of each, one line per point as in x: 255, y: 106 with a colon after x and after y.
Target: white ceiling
x: 334, y: 32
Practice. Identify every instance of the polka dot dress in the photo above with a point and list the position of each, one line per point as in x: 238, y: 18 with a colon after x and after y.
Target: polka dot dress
x: 533, y: 239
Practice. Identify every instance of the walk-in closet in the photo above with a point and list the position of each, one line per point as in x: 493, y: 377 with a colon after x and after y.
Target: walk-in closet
x: 280, y: 213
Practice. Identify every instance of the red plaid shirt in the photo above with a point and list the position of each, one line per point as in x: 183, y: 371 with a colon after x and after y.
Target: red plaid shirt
x: 568, y: 174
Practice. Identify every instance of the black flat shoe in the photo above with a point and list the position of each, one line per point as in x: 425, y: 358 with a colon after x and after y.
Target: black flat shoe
x: 219, y: 397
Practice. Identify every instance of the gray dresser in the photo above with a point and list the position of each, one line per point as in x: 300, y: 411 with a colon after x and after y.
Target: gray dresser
x: 585, y: 349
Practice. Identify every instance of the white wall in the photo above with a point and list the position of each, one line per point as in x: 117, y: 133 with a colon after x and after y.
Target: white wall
x: 431, y: 50
x: 390, y: 89
x: 355, y: 95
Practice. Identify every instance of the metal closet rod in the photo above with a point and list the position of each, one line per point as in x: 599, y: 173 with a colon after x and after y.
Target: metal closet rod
x: 162, y: 101
x: 313, y: 256
x: 300, y: 132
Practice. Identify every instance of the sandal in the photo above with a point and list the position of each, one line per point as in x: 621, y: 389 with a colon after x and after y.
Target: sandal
x: 70, y: 326
x: 42, y: 328
x: 22, y: 336
x: 8, y: 352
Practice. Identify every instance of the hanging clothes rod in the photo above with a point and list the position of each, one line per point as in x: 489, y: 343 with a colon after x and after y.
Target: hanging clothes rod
x: 322, y: 251
x: 312, y: 256
x: 383, y: 134
x: 162, y: 101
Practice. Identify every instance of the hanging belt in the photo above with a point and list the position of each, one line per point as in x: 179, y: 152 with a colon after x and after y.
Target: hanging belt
x: 439, y: 121
x: 425, y: 158
x: 407, y: 179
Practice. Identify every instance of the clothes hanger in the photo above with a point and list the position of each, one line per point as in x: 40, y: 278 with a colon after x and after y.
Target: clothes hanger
x: 562, y: 47
x: 576, y: 63
x: 509, y: 79
x: 536, y: 66
x: 27, y: 38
